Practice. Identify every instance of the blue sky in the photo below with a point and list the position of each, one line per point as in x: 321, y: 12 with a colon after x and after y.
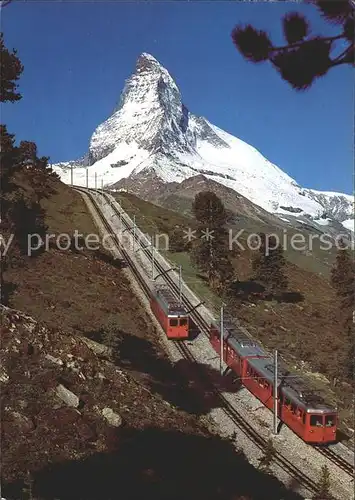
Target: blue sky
x: 77, y: 56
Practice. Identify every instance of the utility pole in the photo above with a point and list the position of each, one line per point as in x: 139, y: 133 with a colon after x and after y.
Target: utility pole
x: 180, y: 285
x: 95, y: 180
x: 102, y: 191
x: 87, y: 177
x: 71, y: 174
x: 221, y: 357
x: 275, y: 392
x: 134, y: 232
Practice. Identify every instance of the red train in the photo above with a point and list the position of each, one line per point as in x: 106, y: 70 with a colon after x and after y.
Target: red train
x: 171, y: 314
x: 299, y: 408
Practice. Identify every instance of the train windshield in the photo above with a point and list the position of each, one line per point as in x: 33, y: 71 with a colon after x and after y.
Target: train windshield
x: 173, y: 322
x: 183, y: 322
x: 329, y: 420
x: 316, y: 421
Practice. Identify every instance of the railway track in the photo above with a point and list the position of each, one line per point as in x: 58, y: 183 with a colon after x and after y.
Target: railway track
x: 229, y: 410
x: 337, y: 460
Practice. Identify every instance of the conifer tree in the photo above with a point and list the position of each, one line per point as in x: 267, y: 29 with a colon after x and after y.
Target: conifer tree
x: 269, y: 454
x: 304, y: 57
x: 323, y: 490
x: 343, y: 282
x: 24, y: 177
x: 177, y: 241
x: 11, y: 69
x: 110, y: 336
x: 211, y: 253
x: 269, y: 264
x: 28, y: 486
x: 342, y: 276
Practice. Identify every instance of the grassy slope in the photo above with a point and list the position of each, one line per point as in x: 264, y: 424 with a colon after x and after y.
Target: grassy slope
x: 77, y: 293
x: 301, y: 331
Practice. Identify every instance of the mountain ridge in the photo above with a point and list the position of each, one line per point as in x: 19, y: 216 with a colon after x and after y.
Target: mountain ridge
x: 152, y: 131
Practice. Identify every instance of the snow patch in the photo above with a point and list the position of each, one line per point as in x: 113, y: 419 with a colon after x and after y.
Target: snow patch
x: 349, y: 224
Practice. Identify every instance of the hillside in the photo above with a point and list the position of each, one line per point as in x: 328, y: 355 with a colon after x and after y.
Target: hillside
x: 82, y: 421
x: 245, y: 215
x: 304, y: 324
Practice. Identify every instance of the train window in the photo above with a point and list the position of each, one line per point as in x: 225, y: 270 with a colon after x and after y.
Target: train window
x: 304, y: 418
x: 183, y: 322
x: 316, y: 421
x: 293, y: 408
x: 329, y: 420
x: 173, y: 322
x: 287, y: 402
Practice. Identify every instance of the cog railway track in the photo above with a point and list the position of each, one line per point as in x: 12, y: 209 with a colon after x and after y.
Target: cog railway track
x: 182, y: 346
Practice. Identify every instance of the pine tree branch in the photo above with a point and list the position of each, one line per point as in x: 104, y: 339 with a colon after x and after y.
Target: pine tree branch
x: 302, y: 42
x: 343, y: 58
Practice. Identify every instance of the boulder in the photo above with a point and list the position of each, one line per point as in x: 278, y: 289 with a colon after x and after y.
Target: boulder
x: 111, y: 417
x: 68, y: 397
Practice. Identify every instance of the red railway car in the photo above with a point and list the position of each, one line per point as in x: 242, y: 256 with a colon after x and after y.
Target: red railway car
x: 300, y: 408
x: 170, y: 313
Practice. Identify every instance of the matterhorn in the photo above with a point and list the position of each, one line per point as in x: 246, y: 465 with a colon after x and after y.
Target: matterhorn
x: 152, y: 135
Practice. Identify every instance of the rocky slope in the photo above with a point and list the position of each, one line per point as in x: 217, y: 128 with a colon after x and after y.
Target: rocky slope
x: 74, y: 425
x: 152, y: 133
x: 63, y: 399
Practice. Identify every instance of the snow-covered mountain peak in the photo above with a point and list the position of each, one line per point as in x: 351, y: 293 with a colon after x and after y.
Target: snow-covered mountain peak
x: 146, y: 62
x: 150, y: 114
x: 152, y: 133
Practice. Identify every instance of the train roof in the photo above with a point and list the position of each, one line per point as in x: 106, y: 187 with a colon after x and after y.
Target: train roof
x: 169, y: 301
x: 291, y: 385
x: 239, y: 341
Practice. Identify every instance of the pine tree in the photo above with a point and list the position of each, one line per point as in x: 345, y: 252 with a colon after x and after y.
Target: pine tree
x: 269, y: 265
x: 209, y: 210
x: 323, y: 490
x: 343, y: 282
x: 304, y: 57
x: 24, y: 177
x: 28, y: 486
x: 110, y: 336
x: 11, y: 69
x: 269, y: 454
x: 343, y: 275
x: 177, y: 241
x: 211, y: 253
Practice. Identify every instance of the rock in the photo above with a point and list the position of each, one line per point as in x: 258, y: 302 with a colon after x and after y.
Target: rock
x: 57, y: 361
x: 4, y: 376
x: 111, y: 417
x: 23, y: 423
x: 67, y: 396
x: 99, y: 349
